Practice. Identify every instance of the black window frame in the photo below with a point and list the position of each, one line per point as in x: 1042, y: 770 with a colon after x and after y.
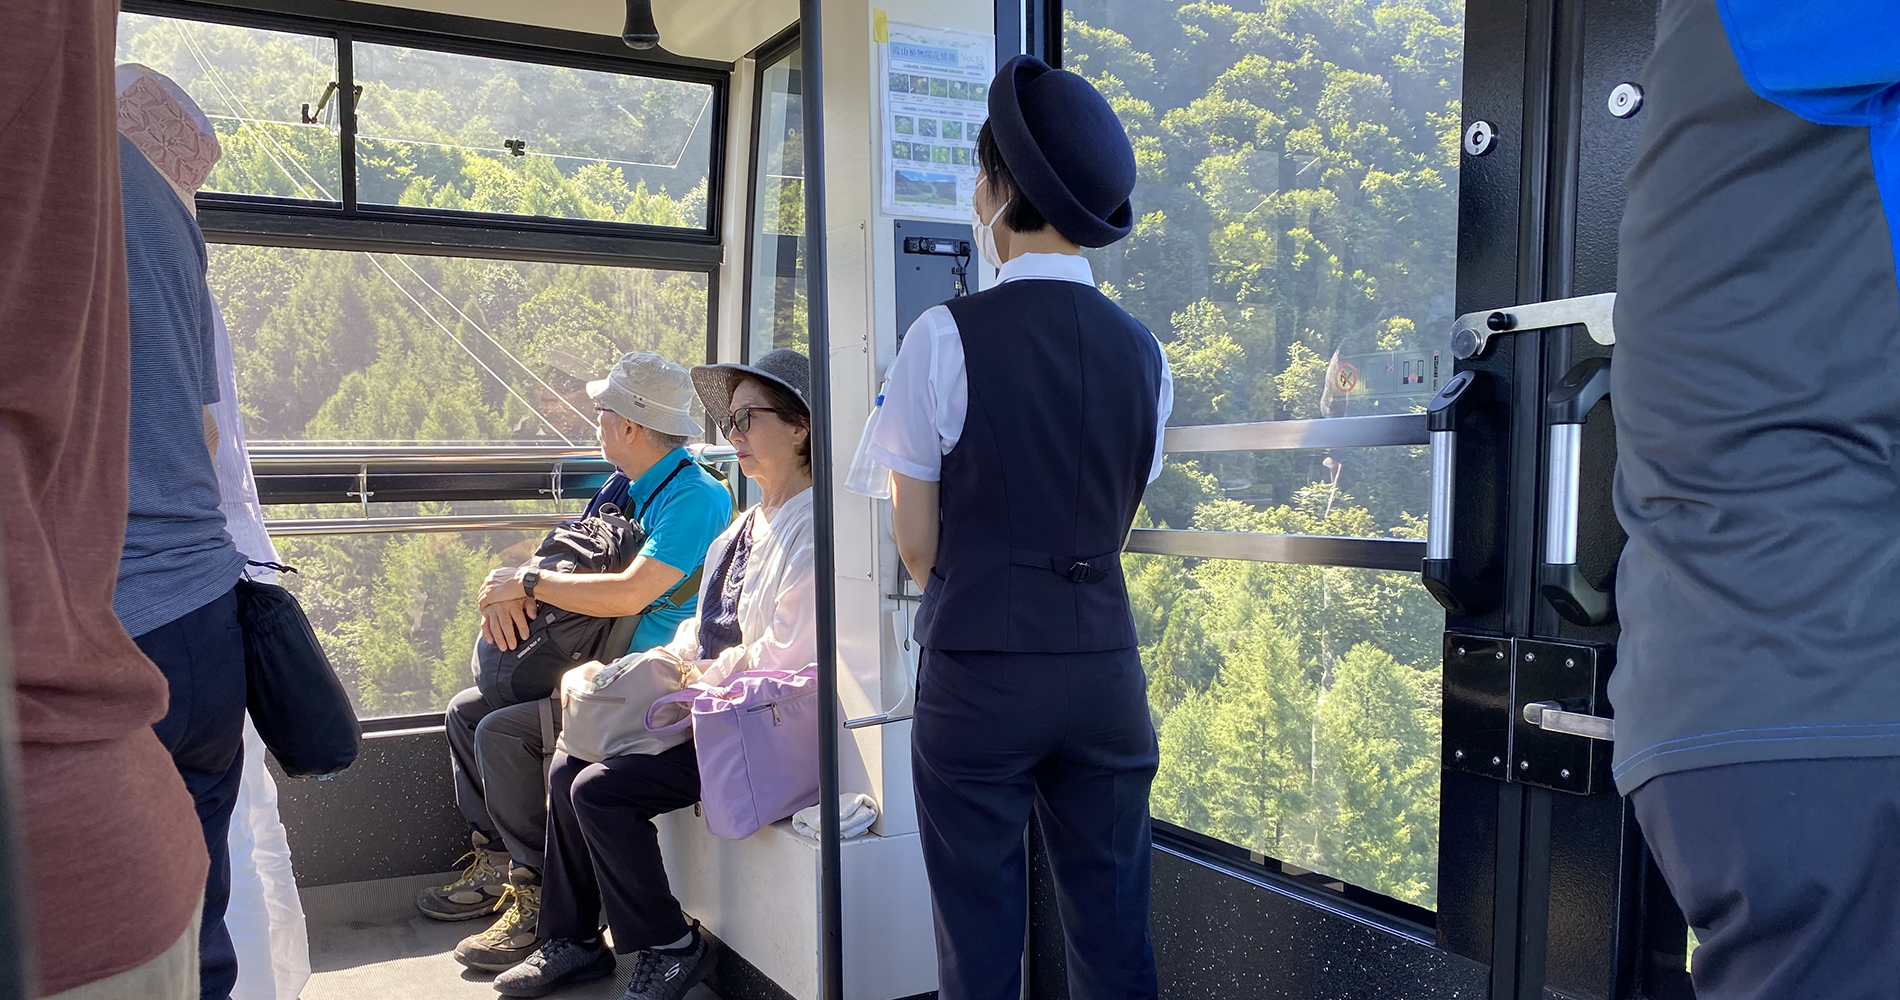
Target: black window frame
x: 257, y: 220
x: 241, y: 218
x: 763, y: 58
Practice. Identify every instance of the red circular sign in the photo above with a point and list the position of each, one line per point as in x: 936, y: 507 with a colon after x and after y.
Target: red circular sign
x: 1345, y: 378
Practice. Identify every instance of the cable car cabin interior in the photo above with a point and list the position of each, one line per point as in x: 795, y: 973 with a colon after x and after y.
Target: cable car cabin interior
x: 1378, y: 241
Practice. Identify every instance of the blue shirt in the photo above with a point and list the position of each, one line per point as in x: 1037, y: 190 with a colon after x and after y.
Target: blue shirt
x: 681, y: 523
x: 177, y: 557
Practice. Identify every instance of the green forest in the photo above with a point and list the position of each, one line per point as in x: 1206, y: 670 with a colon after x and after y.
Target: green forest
x: 1297, y: 210
x: 1298, y: 207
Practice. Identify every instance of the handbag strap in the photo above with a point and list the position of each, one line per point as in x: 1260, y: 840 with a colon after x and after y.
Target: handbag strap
x: 683, y: 695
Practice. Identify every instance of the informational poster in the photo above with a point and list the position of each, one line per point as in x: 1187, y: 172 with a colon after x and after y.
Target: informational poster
x: 936, y: 97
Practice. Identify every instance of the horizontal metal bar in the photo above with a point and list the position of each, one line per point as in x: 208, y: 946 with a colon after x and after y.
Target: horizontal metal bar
x: 1550, y: 717
x: 287, y: 528
x: 880, y: 719
x: 264, y: 458
x: 1378, y: 430
x: 1396, y: 554
x: 231, y: 219
x: 1471, y: 333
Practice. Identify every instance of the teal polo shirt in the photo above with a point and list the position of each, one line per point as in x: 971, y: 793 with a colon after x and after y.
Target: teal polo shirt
x: 681, y: 522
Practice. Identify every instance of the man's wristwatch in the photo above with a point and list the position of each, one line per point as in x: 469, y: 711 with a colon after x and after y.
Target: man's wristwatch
x: 530, y: 577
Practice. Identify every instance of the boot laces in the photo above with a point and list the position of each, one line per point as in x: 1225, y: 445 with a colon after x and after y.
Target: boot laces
x: 480, y: 867
x: 521, y: 908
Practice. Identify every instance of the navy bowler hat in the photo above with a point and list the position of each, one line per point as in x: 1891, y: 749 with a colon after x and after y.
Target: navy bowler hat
x: 1066, y: 150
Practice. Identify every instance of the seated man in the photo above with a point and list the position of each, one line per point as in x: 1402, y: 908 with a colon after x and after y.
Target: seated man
x: 498, y: 751
x: 603, y: 850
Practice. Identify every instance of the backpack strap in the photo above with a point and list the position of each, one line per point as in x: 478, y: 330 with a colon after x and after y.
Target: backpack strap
x: 655, y: 495
x: 550, y: 728
x: 688, y: 587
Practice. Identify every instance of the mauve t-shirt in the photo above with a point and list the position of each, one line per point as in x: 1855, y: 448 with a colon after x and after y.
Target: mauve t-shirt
x: 114, y: 860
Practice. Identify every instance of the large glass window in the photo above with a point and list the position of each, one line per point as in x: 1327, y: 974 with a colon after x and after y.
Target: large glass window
x: 777, y: 286
x: 396, y: 612
x: 389, y: 348
x: 265, y: 93
x: 440, y: 130
x: 435, y: 357
x: 1295, y: 253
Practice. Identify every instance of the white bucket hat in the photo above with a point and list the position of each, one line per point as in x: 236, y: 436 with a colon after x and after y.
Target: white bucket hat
x: 650, y: 391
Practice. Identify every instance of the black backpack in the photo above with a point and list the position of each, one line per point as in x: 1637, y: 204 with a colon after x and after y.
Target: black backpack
x: 560, y: 640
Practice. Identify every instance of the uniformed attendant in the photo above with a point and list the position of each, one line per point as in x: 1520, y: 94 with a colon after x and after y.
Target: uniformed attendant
x: 1021, y: 425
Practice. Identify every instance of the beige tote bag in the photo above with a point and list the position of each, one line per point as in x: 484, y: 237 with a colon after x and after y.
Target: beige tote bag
x: 604, y: 706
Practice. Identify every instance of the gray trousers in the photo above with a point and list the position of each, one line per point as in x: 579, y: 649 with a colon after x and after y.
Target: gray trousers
x: 496, y: 755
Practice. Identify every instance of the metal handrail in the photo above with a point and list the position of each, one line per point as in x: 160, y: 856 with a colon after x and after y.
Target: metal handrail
x: 1374, y: 431
x: 295, y: 527
x: 281, y: 456
x: 284, y: 454
x: 1397, y: 554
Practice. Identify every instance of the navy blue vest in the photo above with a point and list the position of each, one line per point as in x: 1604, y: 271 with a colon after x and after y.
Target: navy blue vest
x: 1041, y: 488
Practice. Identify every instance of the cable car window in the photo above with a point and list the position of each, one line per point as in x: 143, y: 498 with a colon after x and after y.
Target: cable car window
x: 447, y: 131
x: 396, y: 612
x: 777, y: 286
x: 373, y: 348
x: 271, y: 96
x: 1298, y: 195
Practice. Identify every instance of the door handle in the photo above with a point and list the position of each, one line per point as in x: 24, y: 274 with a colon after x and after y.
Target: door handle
x: 1471, y: 334
x: 1558, y: 578
x: 1466, y: 389
x: 1552, y: 717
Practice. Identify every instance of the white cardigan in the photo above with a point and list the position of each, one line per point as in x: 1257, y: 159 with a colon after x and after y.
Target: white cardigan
x: 778, y: 600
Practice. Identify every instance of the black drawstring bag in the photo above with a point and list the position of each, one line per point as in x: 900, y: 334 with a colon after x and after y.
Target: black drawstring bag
x: 296, y: 701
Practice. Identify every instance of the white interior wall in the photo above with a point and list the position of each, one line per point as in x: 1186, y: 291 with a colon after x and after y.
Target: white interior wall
x: 862, y: 284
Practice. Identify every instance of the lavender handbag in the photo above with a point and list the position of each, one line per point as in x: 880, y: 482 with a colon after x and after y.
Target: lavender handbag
x: 757, y: 739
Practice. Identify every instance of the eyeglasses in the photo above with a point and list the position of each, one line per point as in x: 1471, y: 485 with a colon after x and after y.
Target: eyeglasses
x: 740, y: 420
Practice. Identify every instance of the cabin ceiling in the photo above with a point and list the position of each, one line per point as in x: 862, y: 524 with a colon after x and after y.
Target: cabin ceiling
x: 724, y: 30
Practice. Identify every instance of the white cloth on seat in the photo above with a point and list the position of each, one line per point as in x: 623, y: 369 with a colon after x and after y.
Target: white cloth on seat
x: 265, y: 916
x: 856, y: 812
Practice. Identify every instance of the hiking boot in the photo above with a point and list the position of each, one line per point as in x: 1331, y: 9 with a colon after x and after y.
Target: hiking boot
x: 556, y: 963
x: 512, y: 938
x: 477, y: 893
x: 660, y: 975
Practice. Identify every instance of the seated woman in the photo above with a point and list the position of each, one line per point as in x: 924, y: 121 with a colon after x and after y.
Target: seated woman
x: 755, y: 612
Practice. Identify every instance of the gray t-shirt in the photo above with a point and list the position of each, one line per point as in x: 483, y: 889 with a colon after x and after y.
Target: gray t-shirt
x: 1756, y: 391
x: 177, y: 556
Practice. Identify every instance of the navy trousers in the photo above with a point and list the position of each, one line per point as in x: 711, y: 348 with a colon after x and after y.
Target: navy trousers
x: 202, y: 657
x: 1787, y: 871
x: 1069, y: 736
x: 603, y: 850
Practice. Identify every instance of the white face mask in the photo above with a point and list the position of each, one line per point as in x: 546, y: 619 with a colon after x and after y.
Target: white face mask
x: 985, y: 235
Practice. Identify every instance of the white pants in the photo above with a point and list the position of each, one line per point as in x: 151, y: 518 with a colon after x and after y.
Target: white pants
x: 265, y: 916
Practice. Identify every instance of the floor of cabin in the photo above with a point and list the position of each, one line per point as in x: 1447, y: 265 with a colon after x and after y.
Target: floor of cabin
x: 367, y: 940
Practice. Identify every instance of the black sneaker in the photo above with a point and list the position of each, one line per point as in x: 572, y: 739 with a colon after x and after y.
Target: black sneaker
x: 556, y: 963
x: 659, y: 975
